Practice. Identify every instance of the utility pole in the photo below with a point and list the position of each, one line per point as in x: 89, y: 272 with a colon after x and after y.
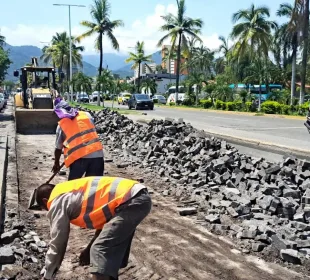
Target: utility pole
x: 70, y: 40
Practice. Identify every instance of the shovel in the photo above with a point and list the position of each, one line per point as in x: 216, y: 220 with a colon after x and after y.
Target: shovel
x: 32, y: 204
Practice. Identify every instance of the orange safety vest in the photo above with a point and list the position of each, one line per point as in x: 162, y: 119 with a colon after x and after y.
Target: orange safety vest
x: 81, y: 138
x: 102, y: 195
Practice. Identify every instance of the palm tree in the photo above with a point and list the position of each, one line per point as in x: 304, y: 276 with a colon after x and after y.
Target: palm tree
x: 202, y: 60
x: 224, y: 47
x: 253, y: 30
x: 105, y: 83
x: 196, y: 79
x: 101, y: 25
x: 257, y: 73
x: 2, y: 41
x: 149, y: 86
x: 49, y: 55
x: 178, y: 27
x: 81, y: 82
x: 59, y: 53
x: 290, y: 36
x: 138, y: 58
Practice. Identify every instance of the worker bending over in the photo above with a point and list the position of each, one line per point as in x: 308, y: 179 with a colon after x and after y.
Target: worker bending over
x: 113, y: 206
x: 76, y: 133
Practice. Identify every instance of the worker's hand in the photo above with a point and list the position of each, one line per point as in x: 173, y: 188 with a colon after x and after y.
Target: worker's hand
x: 56, y: 167
x: 84, y: 258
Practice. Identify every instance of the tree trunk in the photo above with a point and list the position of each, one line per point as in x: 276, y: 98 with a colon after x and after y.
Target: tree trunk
x: 138, y: 85
x: 197, y: 95
x: 305, y: 52
x: 178, y: 69
x: 260, y: 97
x: 101, y: 54
x: 100, y: 68
x: 293, y: 81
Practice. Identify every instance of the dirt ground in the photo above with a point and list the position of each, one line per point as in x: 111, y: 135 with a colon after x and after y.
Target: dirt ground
x: 166, y: 246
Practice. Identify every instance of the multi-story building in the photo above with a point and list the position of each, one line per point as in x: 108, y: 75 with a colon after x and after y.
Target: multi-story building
x: 145, y: 70
x: 170, y: 64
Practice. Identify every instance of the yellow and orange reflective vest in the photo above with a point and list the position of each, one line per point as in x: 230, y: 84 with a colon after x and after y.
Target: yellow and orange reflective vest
x: 81, y: 138
x: 102, y: 195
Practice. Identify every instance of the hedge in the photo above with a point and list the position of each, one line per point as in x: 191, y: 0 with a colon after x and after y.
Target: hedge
x: 206, y: 103
x: 271, y: 107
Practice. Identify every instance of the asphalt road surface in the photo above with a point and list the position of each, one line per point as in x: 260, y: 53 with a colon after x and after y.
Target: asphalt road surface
x: 285, y: 134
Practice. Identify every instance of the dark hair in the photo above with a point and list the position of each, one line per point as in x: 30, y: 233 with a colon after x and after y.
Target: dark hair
x: 44, y: 191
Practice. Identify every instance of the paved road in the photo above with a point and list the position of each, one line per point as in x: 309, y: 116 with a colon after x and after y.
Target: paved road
x: 286, y: 134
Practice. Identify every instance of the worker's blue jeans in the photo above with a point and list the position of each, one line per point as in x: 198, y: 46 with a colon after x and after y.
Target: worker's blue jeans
x: 88, y: 166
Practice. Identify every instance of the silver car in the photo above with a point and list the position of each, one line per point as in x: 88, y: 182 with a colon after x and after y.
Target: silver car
x: 160, y: 98
x: 1, y: 101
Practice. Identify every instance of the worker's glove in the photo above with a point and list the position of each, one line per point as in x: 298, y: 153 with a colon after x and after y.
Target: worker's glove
x: 84, y: 258
x: 56, y: 167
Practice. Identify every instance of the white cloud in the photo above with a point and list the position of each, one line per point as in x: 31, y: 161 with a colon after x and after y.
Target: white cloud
x: 142, y: 29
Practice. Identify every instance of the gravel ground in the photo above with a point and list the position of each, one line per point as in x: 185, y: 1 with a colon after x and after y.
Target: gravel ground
x: 166, y: 246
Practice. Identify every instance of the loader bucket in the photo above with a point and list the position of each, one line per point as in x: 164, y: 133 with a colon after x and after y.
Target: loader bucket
x: 35, y: 121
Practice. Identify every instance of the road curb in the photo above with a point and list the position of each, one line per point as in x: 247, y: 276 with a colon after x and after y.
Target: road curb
x: 10, y: 190
x: 3, y: 172
x: 273, y: 116
x: 12, y: 184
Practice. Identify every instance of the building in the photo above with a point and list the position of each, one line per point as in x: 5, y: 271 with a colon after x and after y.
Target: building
x: 170, y: 64
x: 162, y: 81
x: 145, y: 70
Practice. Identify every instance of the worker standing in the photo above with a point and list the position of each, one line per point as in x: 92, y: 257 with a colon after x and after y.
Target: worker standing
x: 76, y: 133
x: 113, y: 206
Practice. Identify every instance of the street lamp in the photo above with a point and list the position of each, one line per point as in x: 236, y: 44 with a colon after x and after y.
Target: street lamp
x: 70, y: 40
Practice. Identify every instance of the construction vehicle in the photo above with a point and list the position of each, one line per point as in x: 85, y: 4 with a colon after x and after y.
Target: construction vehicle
x: 34, y: 103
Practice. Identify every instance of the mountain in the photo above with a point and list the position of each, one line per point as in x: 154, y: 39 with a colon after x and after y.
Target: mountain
x: 113, y: 61
x: 21, y: 55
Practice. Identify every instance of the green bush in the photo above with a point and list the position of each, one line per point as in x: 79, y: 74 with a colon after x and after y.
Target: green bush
x: 238, y: 105
x: 285, y: 109
x: 206, y: 103
x: 209, y: 88
x: 224, y: 106
x: 302, y: 110
x: 219, y: 104
x: 250, y: 107
x: 230, y: 106
x: 271, y: 107
x: 172, y: 104
x: 188, y: 102
x: 155, y: 101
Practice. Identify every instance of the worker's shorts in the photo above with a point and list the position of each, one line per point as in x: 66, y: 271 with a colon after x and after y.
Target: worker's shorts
x: 111, y: 249
x: 88, y: 166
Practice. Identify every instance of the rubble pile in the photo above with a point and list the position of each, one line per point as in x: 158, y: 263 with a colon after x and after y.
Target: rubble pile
x: 262, y: 204
x: 21, y: 251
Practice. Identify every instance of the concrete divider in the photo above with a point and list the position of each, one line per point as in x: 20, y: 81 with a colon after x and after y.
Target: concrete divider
x: 35, y: 121
x: 3, y: 171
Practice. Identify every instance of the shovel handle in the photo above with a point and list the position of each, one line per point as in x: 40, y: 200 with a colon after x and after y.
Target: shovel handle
x: 52, y: 177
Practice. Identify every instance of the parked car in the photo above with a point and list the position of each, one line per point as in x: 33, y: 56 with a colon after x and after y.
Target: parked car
x: 67, y: 96
x: 142, y: 101
x: 6, y: 98
x: 94, y: 96
x: 1, y: 101
x: 123, y: 98
x: 160, y: 99
x: 82, y: 97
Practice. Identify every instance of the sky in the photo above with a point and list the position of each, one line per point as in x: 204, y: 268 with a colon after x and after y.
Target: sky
x: 30, y: 22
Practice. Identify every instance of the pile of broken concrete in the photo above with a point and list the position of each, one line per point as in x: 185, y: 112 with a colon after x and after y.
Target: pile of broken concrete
x: 261, y: 204
x: 21, y: 251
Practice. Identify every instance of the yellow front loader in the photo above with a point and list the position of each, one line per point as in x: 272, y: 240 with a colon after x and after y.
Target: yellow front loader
x: 34, y: 103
